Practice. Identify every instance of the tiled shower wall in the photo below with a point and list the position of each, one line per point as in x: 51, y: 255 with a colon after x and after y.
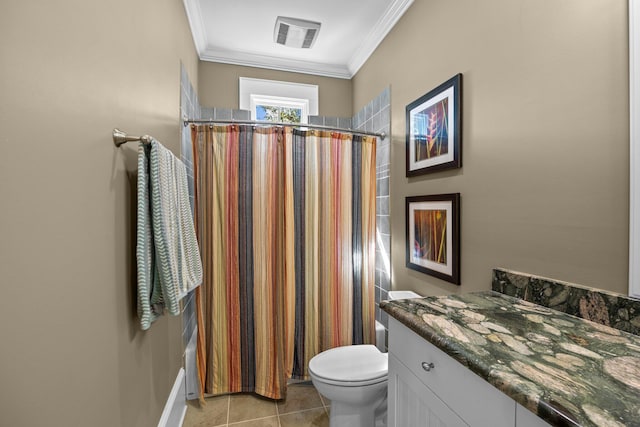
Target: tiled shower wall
x: 339, y: 122
x: 376, y: 117
x: 224, y: 114
x: 190, y: 108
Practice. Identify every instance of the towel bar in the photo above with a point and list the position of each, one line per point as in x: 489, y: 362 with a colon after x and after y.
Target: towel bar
x: 120, y: 137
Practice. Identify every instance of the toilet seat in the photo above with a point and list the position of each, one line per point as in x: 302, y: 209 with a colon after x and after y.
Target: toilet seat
x: 350, y: 366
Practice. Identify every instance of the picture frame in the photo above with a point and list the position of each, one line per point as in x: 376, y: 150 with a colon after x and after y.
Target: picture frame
x: 434, y: 129
x: 433, y: 235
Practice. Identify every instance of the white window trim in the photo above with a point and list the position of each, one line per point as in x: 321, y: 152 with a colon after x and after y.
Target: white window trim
x: 634, y: 149
x: 274, y: 89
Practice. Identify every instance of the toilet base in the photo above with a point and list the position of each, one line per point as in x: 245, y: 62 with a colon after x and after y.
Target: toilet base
x: 381, y: 414
x: 345, y: 415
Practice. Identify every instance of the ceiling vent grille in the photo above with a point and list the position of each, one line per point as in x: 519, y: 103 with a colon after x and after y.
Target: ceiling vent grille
x: 294, y: 32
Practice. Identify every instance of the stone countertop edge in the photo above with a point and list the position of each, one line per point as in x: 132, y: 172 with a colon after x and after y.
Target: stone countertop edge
x: 486, y: 369
x: 452, y: 349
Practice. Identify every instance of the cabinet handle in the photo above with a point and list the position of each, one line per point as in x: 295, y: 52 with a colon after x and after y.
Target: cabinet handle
x: 428, y: 366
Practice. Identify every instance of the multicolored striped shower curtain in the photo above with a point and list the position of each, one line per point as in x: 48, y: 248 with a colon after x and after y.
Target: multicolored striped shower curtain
x: 286, y: 224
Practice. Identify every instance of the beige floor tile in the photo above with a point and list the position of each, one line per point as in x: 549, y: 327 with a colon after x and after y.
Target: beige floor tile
x: 212, y: 414
x: 243, y: 407
x: 311, y: 418
x: 262, y: 422
x: 325, y: 401
x: 300, y: 397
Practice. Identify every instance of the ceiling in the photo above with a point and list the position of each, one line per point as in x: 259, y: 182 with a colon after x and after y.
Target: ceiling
x: 241, y: 32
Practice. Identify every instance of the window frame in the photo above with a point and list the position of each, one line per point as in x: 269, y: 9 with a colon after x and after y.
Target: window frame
x: 287, y: 93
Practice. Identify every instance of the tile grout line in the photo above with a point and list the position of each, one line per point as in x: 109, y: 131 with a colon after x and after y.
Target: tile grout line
x: 250, y: 420
x: 228, y: 407
x: 277, y: 414
x: 301, y: 410
x: 324, y: 405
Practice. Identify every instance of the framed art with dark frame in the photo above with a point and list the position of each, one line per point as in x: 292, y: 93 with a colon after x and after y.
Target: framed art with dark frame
x: 433, y: 235
x: 434, y: 129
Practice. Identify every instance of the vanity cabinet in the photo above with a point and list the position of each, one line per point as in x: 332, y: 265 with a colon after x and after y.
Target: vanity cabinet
x: 429, y: 388
x: 414, y: 404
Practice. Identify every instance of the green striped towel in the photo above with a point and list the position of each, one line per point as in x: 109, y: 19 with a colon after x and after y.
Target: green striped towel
x: 167, y: 254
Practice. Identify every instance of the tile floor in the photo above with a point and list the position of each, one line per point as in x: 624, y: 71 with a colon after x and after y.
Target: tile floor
x: 304, y: 407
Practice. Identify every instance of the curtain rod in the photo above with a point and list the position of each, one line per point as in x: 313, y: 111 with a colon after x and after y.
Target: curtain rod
x: 186, y: 122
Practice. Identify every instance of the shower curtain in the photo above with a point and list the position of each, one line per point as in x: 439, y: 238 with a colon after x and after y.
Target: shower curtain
x: 286, y: 224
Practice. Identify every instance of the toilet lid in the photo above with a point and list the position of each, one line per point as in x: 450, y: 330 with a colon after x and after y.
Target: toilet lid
x: 353, y: 363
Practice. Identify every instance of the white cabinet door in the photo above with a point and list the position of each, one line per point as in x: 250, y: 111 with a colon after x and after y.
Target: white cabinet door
x: 526, y: 418
x: 412, y: 404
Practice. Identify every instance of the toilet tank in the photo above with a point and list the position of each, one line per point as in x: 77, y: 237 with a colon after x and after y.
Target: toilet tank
x: 380, y: 329
x: 402, y: 295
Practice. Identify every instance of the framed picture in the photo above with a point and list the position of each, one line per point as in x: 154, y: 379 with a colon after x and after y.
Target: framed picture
x: 433, y: 235
x: 434, y: 129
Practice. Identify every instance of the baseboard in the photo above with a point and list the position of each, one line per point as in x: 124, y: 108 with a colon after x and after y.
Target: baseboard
x: 191, y: 369
x: 176, y: 406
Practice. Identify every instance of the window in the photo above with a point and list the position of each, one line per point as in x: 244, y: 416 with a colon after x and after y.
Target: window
x: 278, y: 101
x: 279, y: 109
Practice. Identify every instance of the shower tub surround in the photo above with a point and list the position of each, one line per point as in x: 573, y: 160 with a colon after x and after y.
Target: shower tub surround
x: 567, y: 370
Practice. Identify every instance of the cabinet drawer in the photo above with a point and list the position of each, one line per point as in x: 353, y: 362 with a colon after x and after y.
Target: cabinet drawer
x: 476, y: 401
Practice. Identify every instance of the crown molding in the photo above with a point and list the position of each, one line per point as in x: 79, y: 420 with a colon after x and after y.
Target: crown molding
x: 395, y: 11
x: 275, y: 63
x: 194, y: 16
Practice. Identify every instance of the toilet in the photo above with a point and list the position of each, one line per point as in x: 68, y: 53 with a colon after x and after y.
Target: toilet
x: 354, y: 378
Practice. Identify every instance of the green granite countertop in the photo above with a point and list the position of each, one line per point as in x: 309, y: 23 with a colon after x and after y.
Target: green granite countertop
x: 569, y: 371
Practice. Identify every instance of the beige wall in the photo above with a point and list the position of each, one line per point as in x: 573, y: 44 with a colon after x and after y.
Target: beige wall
x: 544, y: 182
x: 218, y: 87
x: 72, y: 351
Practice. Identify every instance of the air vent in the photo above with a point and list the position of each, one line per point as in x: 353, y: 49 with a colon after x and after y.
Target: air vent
x: 309, y: 38
x: 294, y: 32
x: 283, y: 30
